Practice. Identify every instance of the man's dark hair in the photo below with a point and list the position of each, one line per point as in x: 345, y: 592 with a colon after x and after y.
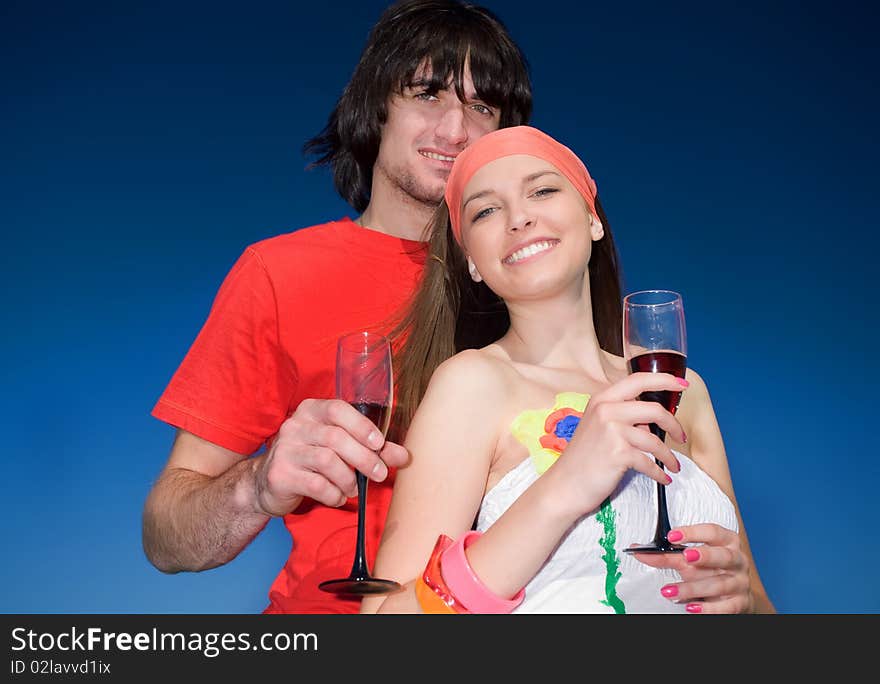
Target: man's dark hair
x: 445, y: 34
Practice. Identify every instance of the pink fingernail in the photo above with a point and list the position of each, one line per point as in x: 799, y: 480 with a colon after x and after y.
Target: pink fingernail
x: 693, y: 608
x: 670, y: 590
x: 683, y: 382
x: 674, y: 536
x: 668, y: 479
x: 691, y: 555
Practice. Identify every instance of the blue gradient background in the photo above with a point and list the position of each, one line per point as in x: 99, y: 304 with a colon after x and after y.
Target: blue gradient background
x: 144, y: 145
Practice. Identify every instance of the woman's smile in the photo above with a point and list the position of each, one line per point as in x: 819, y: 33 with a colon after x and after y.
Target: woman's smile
x: 529, y: 251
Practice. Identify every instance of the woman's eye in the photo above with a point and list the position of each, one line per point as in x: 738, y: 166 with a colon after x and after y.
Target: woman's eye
x: 483, y: 213
x: 542, y: 192
x: 426, y: 96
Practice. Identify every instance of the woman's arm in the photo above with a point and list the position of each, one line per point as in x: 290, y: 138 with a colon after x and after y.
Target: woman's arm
x: 452, y: 442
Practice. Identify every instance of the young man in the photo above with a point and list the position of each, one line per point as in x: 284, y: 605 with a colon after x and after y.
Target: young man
x: 434, y: 76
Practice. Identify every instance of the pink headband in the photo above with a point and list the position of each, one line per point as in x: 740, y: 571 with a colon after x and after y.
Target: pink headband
x: 504, y: 143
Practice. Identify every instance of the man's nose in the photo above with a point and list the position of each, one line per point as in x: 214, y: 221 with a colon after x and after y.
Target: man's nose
x: 452, y: 126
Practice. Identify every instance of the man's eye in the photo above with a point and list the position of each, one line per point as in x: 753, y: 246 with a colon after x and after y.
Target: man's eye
x: 425, y: 95
x: 483, y: 109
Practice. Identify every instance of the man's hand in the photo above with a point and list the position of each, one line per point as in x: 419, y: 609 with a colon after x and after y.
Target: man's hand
x: 316, y: 453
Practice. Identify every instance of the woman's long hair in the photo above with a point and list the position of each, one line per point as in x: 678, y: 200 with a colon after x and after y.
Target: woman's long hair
x: 449, y: 312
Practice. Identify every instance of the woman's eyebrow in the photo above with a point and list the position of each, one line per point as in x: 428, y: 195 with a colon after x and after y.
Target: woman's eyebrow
x: 538, y: 174
x: 528, y: 179
x: 476, y: 195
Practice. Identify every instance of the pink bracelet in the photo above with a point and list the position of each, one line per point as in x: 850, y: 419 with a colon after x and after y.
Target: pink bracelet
x: 464, y: 584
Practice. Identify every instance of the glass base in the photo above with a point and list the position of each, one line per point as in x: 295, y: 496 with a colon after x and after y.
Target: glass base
x: 656, y: 548
x: 364, y: 586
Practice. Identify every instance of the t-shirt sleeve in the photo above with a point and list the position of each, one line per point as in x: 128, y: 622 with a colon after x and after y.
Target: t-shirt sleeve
x: 234, y: 386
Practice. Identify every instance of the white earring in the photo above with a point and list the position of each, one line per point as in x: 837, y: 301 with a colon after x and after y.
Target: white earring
x: 472, y: 269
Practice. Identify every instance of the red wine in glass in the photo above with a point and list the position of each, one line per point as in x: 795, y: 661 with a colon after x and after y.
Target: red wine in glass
x: 660, y: 362
x: 363, y: 379
x: 654, y: 341
x: 377, y: 413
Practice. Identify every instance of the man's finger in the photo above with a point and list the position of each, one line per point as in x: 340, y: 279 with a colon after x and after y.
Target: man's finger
x: 394, y: 455
x: 344, y: 415
x: 349, y: 449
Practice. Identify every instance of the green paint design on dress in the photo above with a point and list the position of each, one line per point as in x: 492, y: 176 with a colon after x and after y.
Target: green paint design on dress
x: 606, y: 517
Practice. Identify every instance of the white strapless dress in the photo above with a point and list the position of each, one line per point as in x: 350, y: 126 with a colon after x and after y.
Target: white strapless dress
x: 587, y: 572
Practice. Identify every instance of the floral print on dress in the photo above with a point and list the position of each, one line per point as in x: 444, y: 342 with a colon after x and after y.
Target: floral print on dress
x: 546, y: 432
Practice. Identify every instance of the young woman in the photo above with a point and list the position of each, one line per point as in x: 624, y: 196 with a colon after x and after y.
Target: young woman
x: 531, y: 467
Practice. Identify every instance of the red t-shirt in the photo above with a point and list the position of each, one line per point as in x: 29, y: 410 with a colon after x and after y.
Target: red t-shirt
x: 270, y: 342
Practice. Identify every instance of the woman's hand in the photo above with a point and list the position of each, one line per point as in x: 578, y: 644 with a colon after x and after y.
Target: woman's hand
x: 715, y: 574
x: 612, y: 438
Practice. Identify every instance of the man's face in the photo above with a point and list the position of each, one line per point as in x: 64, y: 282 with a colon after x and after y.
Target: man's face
x: 423, y: 134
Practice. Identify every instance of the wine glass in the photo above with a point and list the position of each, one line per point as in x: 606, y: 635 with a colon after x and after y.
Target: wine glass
x: 364, y: 380
x: 654, y: 340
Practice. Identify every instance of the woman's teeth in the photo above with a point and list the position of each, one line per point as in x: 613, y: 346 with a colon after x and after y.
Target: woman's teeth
x: 529, y: 250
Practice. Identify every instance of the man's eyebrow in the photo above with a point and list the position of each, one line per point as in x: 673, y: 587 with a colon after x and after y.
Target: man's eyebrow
x: 423, y: 82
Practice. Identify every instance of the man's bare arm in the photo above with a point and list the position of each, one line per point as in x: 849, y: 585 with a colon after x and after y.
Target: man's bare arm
x: 210, y: 502
x: 200, y: 513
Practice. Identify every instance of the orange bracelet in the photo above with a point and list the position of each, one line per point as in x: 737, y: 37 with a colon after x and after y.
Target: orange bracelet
x: 431, y: 591
x: 430, y: 602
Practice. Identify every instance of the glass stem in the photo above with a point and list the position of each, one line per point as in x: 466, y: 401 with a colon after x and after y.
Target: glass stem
x: 663, y: 526
x: 359, y: 569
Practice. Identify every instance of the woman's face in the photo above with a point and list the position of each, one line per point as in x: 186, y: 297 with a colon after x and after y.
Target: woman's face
x: 526, y: 228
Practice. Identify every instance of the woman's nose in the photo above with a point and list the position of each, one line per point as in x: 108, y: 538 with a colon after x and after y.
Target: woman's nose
x: 520, y: 219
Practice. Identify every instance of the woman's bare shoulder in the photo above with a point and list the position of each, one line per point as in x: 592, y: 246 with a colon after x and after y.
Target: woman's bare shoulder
x: 696, y: 397
x: 473, y: 369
